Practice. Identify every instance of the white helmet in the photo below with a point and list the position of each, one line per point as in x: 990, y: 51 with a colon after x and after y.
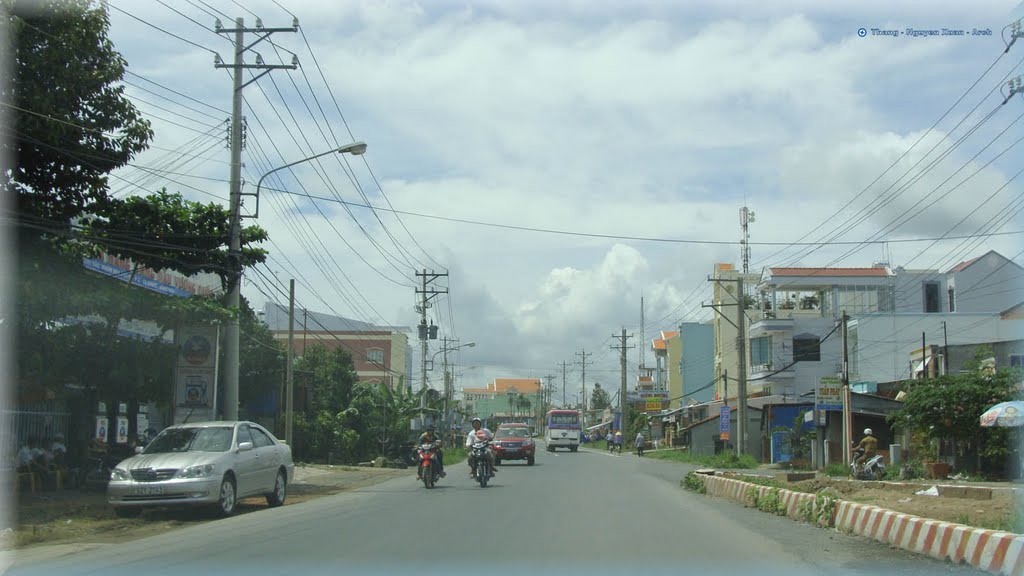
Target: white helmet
x: 867, y: 431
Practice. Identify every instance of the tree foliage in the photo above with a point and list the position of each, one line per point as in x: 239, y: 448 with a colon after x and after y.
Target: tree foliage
x: 73, y: 123
x: 949, y: 408
x: 165, y: 231
x: 599, y: 398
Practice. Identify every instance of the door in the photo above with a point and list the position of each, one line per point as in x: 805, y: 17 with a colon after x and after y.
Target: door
x: 247, y: 464
x: 269, y: 458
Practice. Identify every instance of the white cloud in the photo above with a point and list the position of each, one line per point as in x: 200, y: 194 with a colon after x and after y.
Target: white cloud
x: 638, y: 119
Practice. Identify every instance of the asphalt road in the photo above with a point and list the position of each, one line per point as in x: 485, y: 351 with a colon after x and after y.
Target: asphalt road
x: 571, y: 513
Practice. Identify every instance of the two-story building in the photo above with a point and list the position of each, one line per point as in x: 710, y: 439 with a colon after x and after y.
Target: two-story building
x: 379, y: 353
x: 899, y: 321
x: 505, y: 400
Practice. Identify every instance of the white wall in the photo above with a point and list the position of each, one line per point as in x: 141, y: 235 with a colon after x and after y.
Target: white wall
x: 885, y: 341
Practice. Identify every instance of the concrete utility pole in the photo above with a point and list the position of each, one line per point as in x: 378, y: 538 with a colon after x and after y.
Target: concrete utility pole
x: 741, y: 348
x: 741, y: 390
x: 426, y: 332
x: 583, y: 364
x: 447, y: 381
x: 289, y: 367
x: 622, y: 348
x: 563, y: 384
x: 546, y: 393
x: 847, y: 399
x: 231, y: 344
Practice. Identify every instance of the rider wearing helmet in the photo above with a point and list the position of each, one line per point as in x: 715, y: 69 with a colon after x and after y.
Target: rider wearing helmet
x: 477, y: 434
x: 429, y: 437
x: 869, y: 444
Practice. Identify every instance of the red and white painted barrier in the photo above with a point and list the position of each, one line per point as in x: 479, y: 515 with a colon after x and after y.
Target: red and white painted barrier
x: 991, y: 550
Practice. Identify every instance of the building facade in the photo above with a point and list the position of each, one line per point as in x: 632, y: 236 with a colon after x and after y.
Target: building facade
x: 379, y: 353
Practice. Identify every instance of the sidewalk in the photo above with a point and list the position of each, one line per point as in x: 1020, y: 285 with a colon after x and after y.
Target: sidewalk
x: 50, y: 524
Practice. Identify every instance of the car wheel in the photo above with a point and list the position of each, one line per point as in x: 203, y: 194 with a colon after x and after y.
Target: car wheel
x: 497, y: 461
x: 276, y: 498
x: 529, y: 460
x: 228, y: 497
x: 127, y: 511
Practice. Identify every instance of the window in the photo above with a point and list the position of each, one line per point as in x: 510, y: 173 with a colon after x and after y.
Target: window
x: 952, y: 299
x: 806, y: 348
x: 260, y: 438
x: 243, y: 434
x: 1016, y: 360
x: 375, y: 355
x: 761, y: 351
x: 931, y: 297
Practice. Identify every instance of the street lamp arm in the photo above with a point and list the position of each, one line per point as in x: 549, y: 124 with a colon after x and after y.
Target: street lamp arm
x: 355, y: 148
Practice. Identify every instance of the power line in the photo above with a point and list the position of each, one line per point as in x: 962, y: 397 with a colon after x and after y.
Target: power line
x: 154, y: 26
x: 626, y: 237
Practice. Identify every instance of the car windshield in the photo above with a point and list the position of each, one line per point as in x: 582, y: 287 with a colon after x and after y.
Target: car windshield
x: 191, y: 440
x: 512, y: 433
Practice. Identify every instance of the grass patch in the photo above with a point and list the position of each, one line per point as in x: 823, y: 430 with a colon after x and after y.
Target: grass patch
x: 454, y: 455
x: 837, y: 469
x: 725, y: 460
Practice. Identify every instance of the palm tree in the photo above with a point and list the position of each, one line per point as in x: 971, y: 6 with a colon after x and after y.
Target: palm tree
x: 523, y: 404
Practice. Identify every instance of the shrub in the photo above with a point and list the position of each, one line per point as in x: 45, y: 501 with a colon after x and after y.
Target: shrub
x: 693, y: 481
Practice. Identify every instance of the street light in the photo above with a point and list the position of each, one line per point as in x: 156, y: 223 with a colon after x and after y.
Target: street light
x: 355, y: 149
x: 447, y: 385
x: 232, y: 357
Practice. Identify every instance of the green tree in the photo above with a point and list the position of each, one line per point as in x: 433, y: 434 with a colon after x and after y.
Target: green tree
x: 73, y: 124
x: 261, y: 358
x: 949, y: 408
x: 599, y: 399
x: 327, y: 375
x: 165, y: 231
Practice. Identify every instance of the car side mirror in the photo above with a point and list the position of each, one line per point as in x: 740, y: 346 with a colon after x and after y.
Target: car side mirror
x: 244, y: 446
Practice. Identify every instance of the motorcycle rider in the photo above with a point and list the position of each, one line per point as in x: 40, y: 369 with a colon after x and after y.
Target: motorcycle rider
x: 429, y: 437
x: 869, y: 444
x: 478, y: 434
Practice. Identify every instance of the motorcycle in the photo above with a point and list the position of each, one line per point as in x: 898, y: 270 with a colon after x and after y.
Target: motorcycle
x: 873, y: 469
x: 483, y: 466
x: 429, y: 469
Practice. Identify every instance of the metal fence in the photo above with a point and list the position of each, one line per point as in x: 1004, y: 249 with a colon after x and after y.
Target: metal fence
x: 42, y: 420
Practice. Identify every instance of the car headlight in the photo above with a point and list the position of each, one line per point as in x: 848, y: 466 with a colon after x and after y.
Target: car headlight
x: 201, y: 471
x: 119, y: 474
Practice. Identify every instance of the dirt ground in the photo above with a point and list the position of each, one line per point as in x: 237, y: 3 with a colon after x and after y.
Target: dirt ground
x: 995, y: 513
x: 72, y: 516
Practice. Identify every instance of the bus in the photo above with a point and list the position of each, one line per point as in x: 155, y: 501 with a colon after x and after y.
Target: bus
x: 563, y: 430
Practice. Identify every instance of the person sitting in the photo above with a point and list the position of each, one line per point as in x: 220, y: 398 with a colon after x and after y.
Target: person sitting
x: 430, y: 437
x: 59, y: 451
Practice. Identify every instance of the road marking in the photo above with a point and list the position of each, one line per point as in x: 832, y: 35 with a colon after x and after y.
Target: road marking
x: 601, y: 453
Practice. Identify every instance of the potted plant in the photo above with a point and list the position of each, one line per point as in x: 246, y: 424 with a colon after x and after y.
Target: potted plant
x: 933, y: 467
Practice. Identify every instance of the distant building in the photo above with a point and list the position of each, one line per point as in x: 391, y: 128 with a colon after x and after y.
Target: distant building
x: 505, y: 400
x: 379, y: 353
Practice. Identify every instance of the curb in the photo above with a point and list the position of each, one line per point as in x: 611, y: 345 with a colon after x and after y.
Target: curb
x: 990, y: 550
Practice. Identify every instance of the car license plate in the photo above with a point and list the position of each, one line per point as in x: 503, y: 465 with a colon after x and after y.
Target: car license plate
x: 149, y: 490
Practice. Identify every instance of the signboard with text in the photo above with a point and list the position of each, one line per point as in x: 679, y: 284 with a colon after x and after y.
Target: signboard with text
x: 829, y: 395
x: 724, y: 414
x: 196, y: 373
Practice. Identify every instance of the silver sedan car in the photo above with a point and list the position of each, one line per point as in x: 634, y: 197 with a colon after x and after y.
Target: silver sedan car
x: 205, y: 463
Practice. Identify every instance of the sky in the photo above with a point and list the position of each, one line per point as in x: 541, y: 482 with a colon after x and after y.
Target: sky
x: 635, y: 129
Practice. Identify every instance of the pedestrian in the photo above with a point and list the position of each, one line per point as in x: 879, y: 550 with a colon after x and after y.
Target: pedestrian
x: 639, y: 441
x: 618, y: 441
